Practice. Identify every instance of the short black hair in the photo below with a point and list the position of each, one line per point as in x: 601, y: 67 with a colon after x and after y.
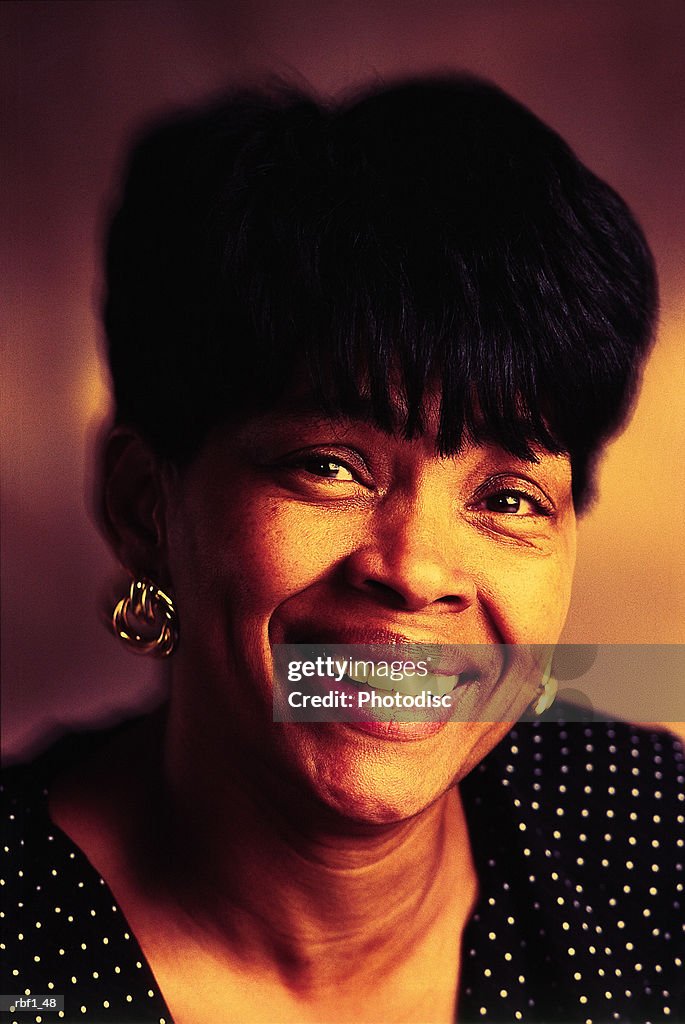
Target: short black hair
x: 428, y: 234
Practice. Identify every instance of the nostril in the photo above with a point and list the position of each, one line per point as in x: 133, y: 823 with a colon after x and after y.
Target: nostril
x: 383, y: 590
x: 395, y: 598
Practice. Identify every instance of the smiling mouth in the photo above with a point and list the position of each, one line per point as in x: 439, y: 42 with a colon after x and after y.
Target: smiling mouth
x: 434, y: 683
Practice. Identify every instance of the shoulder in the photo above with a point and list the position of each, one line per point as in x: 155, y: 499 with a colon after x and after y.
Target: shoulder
x: 573, y: 776
x: 24, y: 812
x: 42, y: 867
x: 578, y: 832
x: 613, y: 766
x: 594, y: 811
x: 67, y: 935
x: 621, y: 771
x: 24, y: 791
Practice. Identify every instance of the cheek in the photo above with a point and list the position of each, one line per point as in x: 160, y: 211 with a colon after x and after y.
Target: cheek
x: 294, y: 545
x: 259, y: 551
x: 528, y: 593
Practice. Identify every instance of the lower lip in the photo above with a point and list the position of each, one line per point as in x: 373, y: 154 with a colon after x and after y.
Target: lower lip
x: 403, y: 732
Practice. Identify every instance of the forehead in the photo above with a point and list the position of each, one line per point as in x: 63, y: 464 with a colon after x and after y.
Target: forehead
x: 301, y: 409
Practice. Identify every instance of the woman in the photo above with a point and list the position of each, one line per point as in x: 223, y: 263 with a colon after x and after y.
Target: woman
x: 365, y: 356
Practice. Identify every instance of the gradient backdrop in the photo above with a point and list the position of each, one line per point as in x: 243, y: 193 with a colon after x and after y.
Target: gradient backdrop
x: 79, y: 76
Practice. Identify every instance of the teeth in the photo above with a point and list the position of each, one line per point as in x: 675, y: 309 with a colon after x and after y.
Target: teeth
x: 440, y: 685
x: 410, y: 685
x: 360, y: 677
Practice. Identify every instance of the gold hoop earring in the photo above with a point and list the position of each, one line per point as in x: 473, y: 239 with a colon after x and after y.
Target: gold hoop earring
x: 145, y: 620
x: 546, y: 692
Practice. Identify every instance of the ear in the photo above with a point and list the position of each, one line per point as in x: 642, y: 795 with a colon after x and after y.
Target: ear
x: 133, y: 504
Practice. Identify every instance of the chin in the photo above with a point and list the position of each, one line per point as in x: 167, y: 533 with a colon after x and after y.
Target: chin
x: 378, y: 805
x: 369, y: 801
x: 373, y: 781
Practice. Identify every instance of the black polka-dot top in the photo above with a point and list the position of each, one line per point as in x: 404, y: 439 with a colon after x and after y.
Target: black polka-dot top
x: 578, y: 834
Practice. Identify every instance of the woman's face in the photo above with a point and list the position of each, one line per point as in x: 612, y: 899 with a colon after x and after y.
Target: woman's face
x: 294, y: 528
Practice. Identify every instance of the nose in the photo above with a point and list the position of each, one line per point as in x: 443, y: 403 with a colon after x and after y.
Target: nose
x: 412, y: 561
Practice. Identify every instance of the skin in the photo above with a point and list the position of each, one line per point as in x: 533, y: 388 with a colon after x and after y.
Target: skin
x: 293, y: 527
x: 257, y: 859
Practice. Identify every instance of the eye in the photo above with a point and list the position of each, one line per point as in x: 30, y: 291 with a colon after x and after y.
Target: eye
x: 512, y: 503
x: 318, y: 469
x: 515, y: 498
x: 328, y: 469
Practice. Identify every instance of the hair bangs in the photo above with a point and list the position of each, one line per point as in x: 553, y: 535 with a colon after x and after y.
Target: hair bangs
x: 426, y: 242
x: 400, y: 321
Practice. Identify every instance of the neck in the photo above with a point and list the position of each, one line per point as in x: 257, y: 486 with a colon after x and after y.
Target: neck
x: 277, y: 881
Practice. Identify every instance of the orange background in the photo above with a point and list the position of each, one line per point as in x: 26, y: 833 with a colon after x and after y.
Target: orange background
x: 608, y: 74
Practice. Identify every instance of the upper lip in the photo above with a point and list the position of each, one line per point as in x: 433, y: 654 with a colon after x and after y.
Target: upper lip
x: 444, y: 659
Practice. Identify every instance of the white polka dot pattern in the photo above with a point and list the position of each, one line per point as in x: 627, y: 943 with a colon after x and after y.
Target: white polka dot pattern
x: 63, y: 932
x: 578, y: 834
